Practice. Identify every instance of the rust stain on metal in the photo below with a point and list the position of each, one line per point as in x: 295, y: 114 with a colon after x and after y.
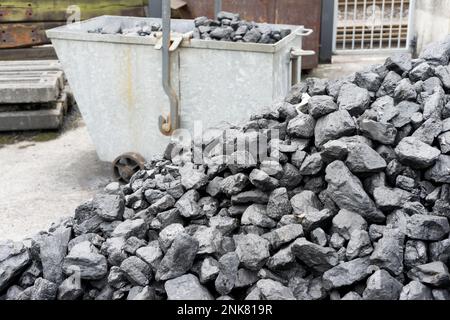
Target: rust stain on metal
x: 16, y: 35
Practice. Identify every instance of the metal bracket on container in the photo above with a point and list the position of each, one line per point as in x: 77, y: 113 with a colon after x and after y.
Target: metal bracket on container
x: 304, y: 32
x: 295, y: 56
x: 167, y: 125
x: 297, y: 53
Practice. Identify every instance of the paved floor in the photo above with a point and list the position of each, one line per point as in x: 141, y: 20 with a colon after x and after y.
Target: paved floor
x: 346, y: 64
x: 43, y: 181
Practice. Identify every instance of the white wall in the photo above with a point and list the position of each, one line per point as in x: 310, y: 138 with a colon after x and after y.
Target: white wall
x: 432, y: 21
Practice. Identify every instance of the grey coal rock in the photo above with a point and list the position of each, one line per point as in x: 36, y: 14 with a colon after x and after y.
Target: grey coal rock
x: 312, y: 165
x: 359, y: 245
x: 421, y: 72
x: 399, y: 62
x: 53, y: 249
x: 363, y: 159
x: 252, y: 196
x: 312, y: 219
x: 283, y: 259
x: 417, y: 154
x: 109, y: 207
x: 278, y: 204
x: 137, y: 271
x: 209, y: 270
x: 179, y: 258
x: 346, y: 222
x: 416, y: 253
x: 130, y: 228
x: 406, y: 109
x: 368, y: 80
x: 318, y: 236
x: 440, y: 172
x: 43, y: 290
x: 234, y: 185
x: 319, y: 106
x: 208, y: 239
x: 228, y: 271
x: 427, y: 227
x: 437, y: 52
x: 254, y: 35
x: 334, y: 150
x: 70, y: 289
x: 263, y: 181
x: 389, y: 84
x: 256, y: 215
x: 434, y: 274
x: 283, y: 235
x: 347, y: 273
x: 351, y: 296
x: 316, y: 86
x: 429, y: 131
x: 316, y: 257
x: 443, y: 73
x: 389, y: 199
x: 302, y: 126
x: 305, y: 201
x: 186, y: 287
x: 405, y: 91
x: 416, y: 291
x: 168, y: 235
x: 188, y: 205
x: 353, y: 99
x: 382, y: 286
x: 252, y: 250
x: 224, y: 224
x: 14, y: 257
x: 192, y: 178
x: 273, y: 290
x: 388, y: 252
x: 439, y: 251
x: 384, y: 133
x: 85, y: 261
x: 348, y: 192
x: 334, y: 126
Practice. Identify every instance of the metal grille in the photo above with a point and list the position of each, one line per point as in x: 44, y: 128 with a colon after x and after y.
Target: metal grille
x: 362, y: 25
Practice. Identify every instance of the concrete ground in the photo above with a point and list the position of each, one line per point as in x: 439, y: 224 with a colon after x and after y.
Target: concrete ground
x: 346, y: 64
x: 44, y: 181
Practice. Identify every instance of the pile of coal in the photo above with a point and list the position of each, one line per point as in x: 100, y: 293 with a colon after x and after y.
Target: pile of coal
x: 141, y: 28
x: 350, y: 200
x: 229, y: 27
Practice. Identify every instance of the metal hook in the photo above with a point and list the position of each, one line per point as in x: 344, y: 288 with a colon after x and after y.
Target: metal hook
x: 167, y: 125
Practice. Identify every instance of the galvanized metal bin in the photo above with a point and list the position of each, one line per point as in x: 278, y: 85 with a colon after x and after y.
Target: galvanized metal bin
x: 116, y: 81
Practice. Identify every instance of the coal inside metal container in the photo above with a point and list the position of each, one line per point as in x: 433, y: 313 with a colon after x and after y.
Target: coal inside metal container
x: 116, y: 81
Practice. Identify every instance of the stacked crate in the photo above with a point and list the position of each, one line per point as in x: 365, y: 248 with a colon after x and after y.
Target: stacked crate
x: 33, y: 95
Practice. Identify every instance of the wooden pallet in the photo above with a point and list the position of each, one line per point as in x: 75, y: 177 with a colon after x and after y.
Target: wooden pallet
x: 33, y: 95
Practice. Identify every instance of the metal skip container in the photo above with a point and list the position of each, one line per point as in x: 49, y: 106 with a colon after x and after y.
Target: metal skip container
x: 117, y: 81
